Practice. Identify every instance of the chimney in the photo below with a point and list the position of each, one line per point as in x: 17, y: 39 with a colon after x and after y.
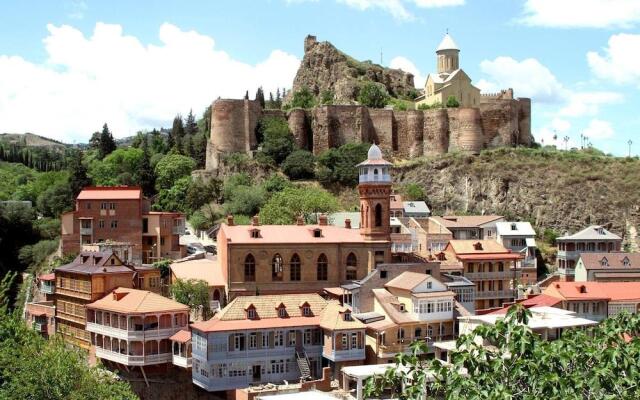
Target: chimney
x: 300, y: 220
x: 255, y: 220
x: 118, y: 295
x: 230, y: 220
x: 322, y: 219
x: 347, y: 223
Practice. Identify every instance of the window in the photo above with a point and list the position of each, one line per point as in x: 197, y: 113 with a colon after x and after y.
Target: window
x: 322, y: 268
x: 352, y: 267
x: 265, y: 340
x: 347, y: 316
x: 276, y: 268
x: 278, y: 339
x: 442, y: 329
x: 354, y: 340
x: 317, y: 233
x: 114, y: 224
x: 383, y: 274
x: 161, y: 241
x: 88, y: 206
x: 307, y: 336
x: 253, y: 340
x: 291, y: 340
x: 282, y: 312
x: 101, y: 223
x: 626, y: 262
x: 249, y: 268
x: 154, y: 282
x: 112, y: 206
x: 306, y: 311
x: 251, y: 313
x: 418, y: 333
x: 400, y: 334
x: 345, y: 342
x: 429, y: 285
x: 277, y: 366
x: 238, y: 342
x: 378, y: 216
x: 255, y: 233
x: 294, y: 273
x: 104, y: 206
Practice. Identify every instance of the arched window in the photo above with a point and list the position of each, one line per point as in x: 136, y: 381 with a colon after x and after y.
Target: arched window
x: 378, y: 215
x: 375, y: 174
x: 352, y: 267
x: 276, y: 268
x: 295, y: 267
x: 323, y: 268
x: 249, y: 268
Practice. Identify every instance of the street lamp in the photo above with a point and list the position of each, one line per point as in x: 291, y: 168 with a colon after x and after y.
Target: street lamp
x: 630, y: 142
x: 566, y: 143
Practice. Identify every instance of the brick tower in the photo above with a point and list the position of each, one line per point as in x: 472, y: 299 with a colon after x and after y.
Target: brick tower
x: 375, y: 191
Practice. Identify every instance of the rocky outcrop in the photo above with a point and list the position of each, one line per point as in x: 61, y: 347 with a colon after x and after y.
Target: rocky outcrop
x: 325, y: 68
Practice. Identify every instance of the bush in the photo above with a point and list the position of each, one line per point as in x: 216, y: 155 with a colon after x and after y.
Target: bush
x: 326, y: 97
x: 413, y: 192
x: 275, y: 183
x: 452, y: 102
x: 299, y: 165
x: 284, y: 207
x: 373, y: 94
x: 233, y: 182
x: 339, y: 165
x: 245, y: 200
x: 171, y: 168
x: 425, y: 106
x: 278, y: 141
x: 302, y: 98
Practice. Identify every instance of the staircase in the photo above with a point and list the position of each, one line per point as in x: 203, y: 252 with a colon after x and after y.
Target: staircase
x: 303, y: 364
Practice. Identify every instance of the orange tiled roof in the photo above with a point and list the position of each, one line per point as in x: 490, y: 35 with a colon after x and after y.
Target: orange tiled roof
x: 133, y: 301
x: 407, y: 280
x: 469, y: 246
x: 207, y: 269
x: 217, y: 325
x: 332, y: 318
x: 270, y: 234
x: 182, y: 336
x: 48, y: 277
x: 612, y: 291
x: 466, y: 221
x: 110, y: 193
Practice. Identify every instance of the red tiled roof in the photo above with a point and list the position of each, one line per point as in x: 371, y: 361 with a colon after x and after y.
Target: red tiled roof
x: 270, y: 234
x: 110, y: 193
x: 612, y: 291
x: 182, y: 336
x: 540, y: 300
x: 48, y: 277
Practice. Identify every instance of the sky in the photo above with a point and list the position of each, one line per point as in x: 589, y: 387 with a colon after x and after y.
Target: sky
x: 67, y: 67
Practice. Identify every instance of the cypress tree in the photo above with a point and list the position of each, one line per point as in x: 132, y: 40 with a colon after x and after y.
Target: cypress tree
x: 260, y: 96
x: 190, y: 125
x: 107, y: 143
x: 78, y: 178
x: 177, y: 133
x: 146, y: 177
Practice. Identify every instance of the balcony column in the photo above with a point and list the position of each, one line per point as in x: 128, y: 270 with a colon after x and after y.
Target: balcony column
x: 333, y: 342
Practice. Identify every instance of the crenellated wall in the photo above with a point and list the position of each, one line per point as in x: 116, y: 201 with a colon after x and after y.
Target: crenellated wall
x: 500, y: 120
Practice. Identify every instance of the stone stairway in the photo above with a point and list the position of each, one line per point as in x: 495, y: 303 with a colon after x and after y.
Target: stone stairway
x: 303, y: 364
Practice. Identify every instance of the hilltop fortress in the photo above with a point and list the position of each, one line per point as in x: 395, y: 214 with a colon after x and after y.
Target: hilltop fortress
x: 481, y: 121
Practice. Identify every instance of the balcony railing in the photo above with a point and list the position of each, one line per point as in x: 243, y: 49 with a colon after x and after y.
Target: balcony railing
x: 131, y: 334
x: 184, y: 362
x: 178, y: 230
x: 86, y: 231
x: 345, y: 355
x: 47, y: 289
x: 74, y: 293
x: 127, y: 359
x: 492, y: 294
x: 40, y: 326
x: 489, y: 275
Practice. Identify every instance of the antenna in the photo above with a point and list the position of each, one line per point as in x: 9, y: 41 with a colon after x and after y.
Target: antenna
x: 380, y: 55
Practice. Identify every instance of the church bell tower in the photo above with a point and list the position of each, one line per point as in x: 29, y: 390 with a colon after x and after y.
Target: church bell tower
x: 375, y: 196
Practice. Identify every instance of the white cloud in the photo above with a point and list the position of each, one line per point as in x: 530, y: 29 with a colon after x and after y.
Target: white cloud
x: 581, y: 13
x: 407, y: 65
x: 621, y: 60
x: 77, y: 8
x: 588, y: 103
x: 113, y: 77
x: 528, y: 78
x: 397, y: 8
x: 598, y: 129
x: 553, y: 133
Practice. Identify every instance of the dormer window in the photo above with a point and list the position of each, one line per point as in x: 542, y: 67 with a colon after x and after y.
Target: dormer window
x: 429, y: 285
x: 282, y: 311
x: 306, y: 311
x: 477, y: 246
x: 255, y: 233
x: 441, y: 256
x: 626, y: 262
x: 402, y: 307
x: 600, y: 231
x: 317, y: 233
x: 604, y: 262
x: 583, y: 289
x: 347, y: 316
x: 251, y: 312
x: 514, y: 227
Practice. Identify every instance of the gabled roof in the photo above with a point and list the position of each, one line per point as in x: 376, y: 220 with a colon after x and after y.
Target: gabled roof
x: 593, y: 232
x: 333, y: 318
x: 110, y: 193
x: 266, y: 306
x: 539, y: 300
x: 474, y: 246
x: 182, y: 336
x: 95, y: 262
x: 207, y: 269
x: 407, y: 280
x: 432, y: 225
x: 521, y: 229
x: 134, y: 301
x: 447, y: 43
x: 466, y: 221
x: 390, y: 304
x: 415, y: 207
x: 615, y: 260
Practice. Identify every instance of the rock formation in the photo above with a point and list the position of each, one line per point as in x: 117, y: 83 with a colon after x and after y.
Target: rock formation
x: 325, y: 68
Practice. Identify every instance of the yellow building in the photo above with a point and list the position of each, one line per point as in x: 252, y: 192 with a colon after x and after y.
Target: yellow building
x: 450, y: 79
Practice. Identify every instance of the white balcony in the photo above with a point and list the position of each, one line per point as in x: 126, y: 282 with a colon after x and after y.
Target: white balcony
x: 184, y: 362
x: 131, y: 334
x: 133, y: 360
x: 345, y: 355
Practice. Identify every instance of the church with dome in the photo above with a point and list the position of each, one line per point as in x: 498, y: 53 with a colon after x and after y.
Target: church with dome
x: 449, y: 79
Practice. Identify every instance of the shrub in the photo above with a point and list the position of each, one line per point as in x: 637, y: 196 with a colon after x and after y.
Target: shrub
x: 452, y: 102
x: 299, y: 165
x: 302, y: 98
x: 326, y: 97
x: 373, y: 94
x: 278, y: 141
x: 339, y: 165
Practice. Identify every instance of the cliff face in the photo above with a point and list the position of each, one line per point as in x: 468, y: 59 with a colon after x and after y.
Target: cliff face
x: 564, y: 191
x: 325, y: 68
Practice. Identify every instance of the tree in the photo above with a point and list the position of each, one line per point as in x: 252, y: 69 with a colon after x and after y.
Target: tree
x: 202, y: 192
x: 163, y: 266
x: 146, y: 177
x: 452, y: 102
x: 278, y: 141
x: 339, y: 165
x: 275, y: 183
x: 78, y: 178
x: 373, y: 94
x: 174, y: 198
x: 303, y: 98
x: 171, y: 168
x: 509, y: 361
x: 299, y: 165
x: 193, y: 293
x: 177, y: 134
x: 190, y: 124
x: 106, y: 144
x: 260, y: 96
x: 246, y: 95
x: 413, y: 192
x: 245, y: 200
x: 285, y: 206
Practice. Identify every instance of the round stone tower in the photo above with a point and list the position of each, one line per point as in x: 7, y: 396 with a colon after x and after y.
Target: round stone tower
x: 299, y: 128
x: 470, y: 138
x: 448, y: 55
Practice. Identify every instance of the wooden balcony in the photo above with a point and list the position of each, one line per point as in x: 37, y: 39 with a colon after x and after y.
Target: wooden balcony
x: 184, y: 362
x: 133, y: 360
x: 125, y: 334
x: 81, y: 294
x: 345, y: 355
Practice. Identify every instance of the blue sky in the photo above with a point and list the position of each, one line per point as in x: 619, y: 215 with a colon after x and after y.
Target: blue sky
x: 66, y: 67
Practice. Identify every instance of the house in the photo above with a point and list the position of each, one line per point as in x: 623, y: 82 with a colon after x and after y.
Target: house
x: 415, y: 306
x: 273, y: 338
x: 396, y: 206
x: 40, y: 314
x: 596, y: 300
x: 122, y: 214
x: 519, y: 237
x: 133, y: 327
x: 204, y: 267
x: 403, y: 239
x: 431, y: 235
x: 464, y: 227
x: 301, y: 258
x: 89, y: 277
x: 415, y: 209
x: 608, y: 267
x: 494, y: 269
x: 593, y: 239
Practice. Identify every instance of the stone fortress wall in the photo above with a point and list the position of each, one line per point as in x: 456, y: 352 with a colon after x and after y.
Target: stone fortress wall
x: 501, y: 120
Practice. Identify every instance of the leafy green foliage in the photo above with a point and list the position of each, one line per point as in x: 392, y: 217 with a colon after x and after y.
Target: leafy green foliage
x: 326, y: 97
x: 302, y: 98
x: 121, y: 167
x: 299, y: 165
x: 373, y: 94
x: 452, y: 102
x: 339, y: 165
x: 425, y: 106
x: 245, y: 200
x: 413, y: 192
x: 35, y: 255
x: 285, y: 206
x: 278, y: 141
x: 193, y: 293
x: 516, y: 363
x: 103, y: 142
x: 163, y: 266
x: 171, y: 168
x: 275, y: 183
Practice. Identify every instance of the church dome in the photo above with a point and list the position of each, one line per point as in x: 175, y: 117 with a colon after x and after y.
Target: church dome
x: 374, y: 153
x: 447, y: 44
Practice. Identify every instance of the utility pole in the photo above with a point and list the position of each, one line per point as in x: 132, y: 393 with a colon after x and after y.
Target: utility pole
x: 380, y: 55
x: 566, y: 143
x: 630, y: 142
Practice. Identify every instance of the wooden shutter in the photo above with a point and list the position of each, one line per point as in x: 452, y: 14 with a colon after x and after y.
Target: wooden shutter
x: 259, y: 339
x: 271, y: 340
x: 231, y: 344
